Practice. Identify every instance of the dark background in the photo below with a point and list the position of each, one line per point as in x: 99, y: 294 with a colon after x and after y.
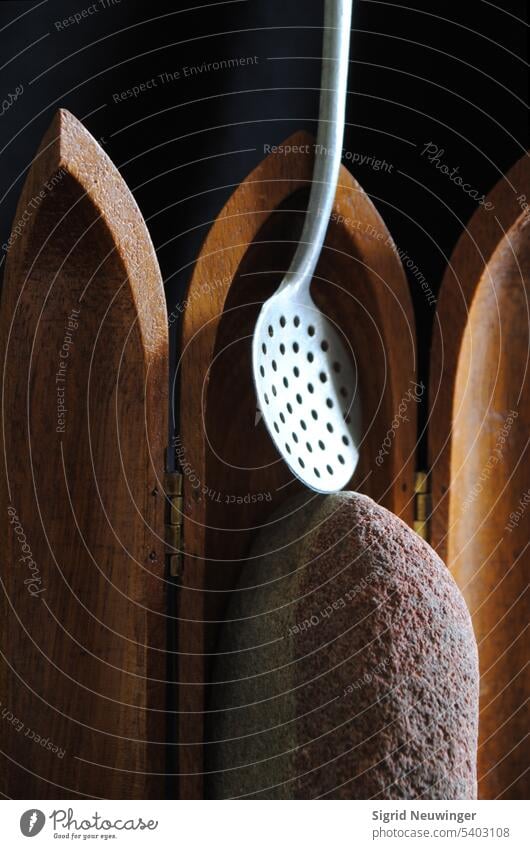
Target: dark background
x: 453, y: 74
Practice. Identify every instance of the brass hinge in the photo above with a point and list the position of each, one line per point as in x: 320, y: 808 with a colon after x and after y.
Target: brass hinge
x: 174, y: 523
x: 422, y: 505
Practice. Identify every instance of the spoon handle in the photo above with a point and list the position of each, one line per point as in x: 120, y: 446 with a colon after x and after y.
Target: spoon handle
x: 328, y: 148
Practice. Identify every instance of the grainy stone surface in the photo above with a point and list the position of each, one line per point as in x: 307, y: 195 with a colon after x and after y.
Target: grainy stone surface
x: 347, y: 667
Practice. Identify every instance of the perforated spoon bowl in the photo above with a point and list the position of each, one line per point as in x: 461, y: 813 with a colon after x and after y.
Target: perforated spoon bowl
x: 305, y: 377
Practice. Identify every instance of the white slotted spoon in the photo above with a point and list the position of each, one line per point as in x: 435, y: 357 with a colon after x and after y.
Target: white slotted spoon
x: 305, y: 379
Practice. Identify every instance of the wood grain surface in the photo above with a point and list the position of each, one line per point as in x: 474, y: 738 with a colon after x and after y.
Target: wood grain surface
x: 233, y: 477
x: 478, y: 435
x: 83, y: 343
x: 479, y: 239
x: 84, y: 419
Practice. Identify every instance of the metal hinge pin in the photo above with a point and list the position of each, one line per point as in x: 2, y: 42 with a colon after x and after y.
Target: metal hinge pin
x: 422, y: 505
x: 174, y: 522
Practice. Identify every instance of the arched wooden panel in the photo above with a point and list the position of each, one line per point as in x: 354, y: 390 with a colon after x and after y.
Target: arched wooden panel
x: 480, y: 418
x: 472, y: 252
x: 233, y: 478
x: 489, y: 539
x: 84, y: 419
